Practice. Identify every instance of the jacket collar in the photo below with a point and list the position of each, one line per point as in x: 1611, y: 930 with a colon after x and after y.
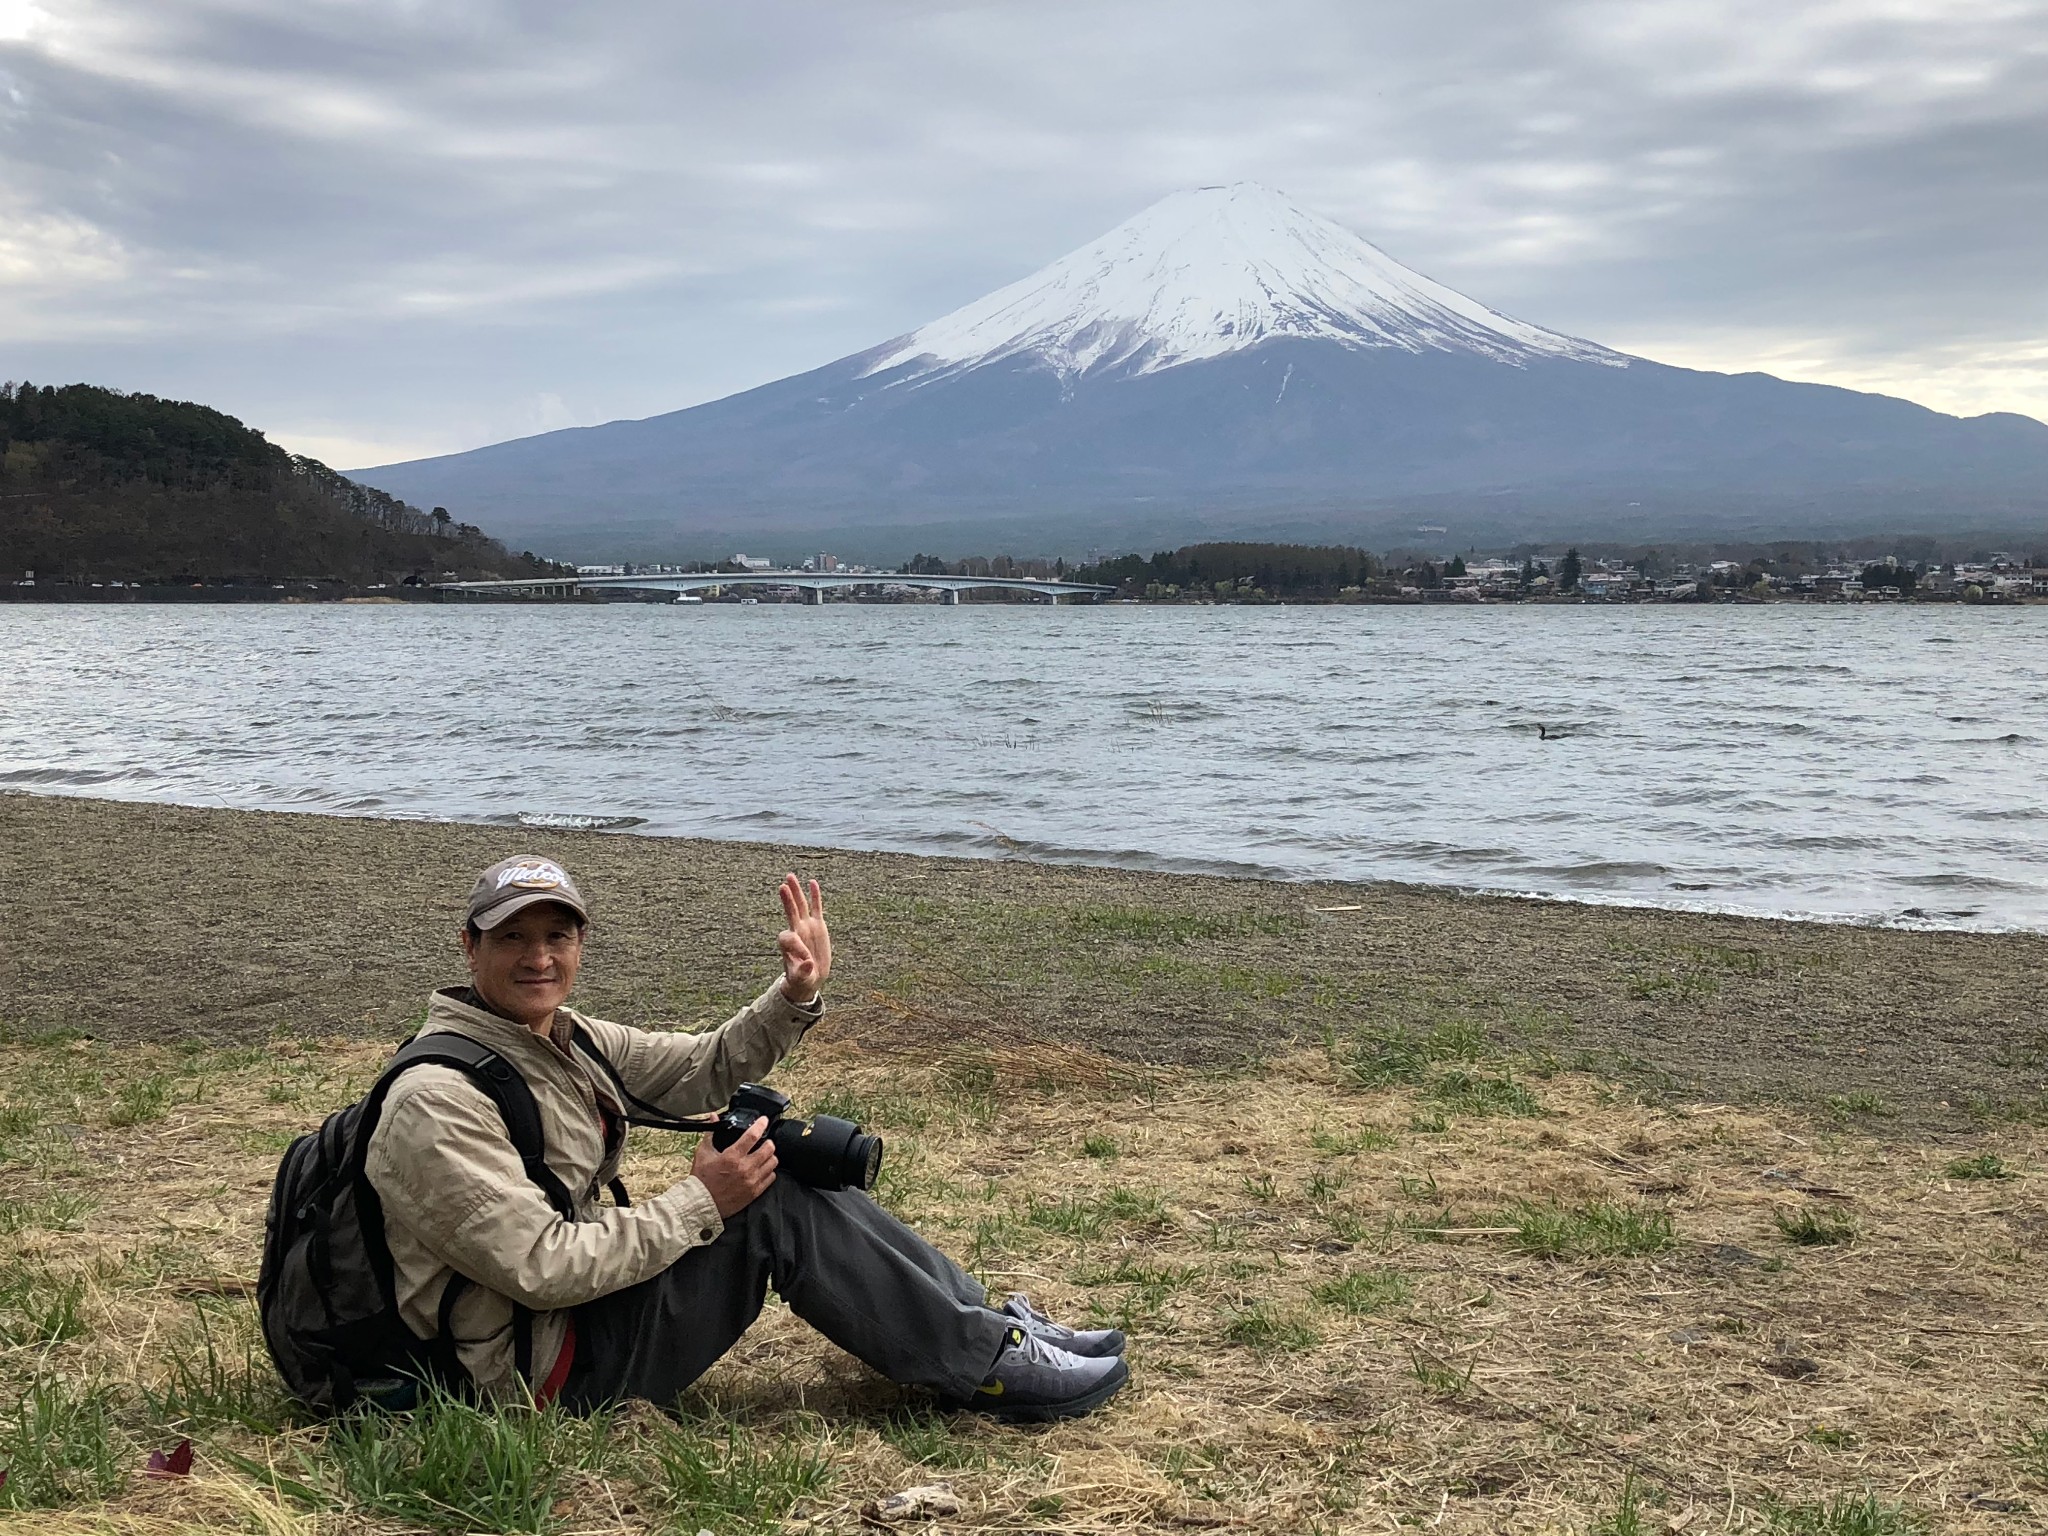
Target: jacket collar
x: 448, y: 1009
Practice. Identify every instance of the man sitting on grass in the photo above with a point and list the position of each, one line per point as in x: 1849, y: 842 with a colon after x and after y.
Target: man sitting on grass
x: 638, y: 1301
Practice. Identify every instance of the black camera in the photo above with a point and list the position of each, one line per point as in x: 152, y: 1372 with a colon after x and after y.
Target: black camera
x: 824, y: 1151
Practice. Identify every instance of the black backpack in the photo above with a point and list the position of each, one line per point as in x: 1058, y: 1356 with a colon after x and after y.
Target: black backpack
x: 330, y: 1315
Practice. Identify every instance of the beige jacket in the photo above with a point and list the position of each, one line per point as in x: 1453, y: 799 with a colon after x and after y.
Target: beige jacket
x: 456, y: 1197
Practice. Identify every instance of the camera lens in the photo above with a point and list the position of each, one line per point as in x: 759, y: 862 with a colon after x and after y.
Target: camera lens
x: 828, y: 1153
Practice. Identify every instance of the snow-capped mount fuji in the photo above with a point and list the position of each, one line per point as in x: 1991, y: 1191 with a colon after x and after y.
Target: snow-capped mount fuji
x: 1228, y: 364
x: 1209, y: 272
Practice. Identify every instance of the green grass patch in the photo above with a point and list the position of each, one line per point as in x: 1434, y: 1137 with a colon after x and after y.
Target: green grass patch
x: 1145, y: 1290
x: 1100, y: 1146
x: 269, y: 1143
x: 455, y: 1466
x: 50, y: 1213
x: 1671, y: 987
x: 1439, y: 1376
x: 1323, y: 1186
x: 1985, y: 1165
x: 140, y: 1100
x: 61, y: 1446
x: 1381, y: 1057
x: 1194, y: 1466
x: 1365, y: 1291
x: 1368, y: 1138
x: 1153, y: 927
x: 18, y: 1122
x: 1814, y: 1227
x: 927, y: 1438
x: 2030, y: 1454
x: 217, y: 1374
x: 38, y: 1308
x: 902, y: 1112
x: 1462, y: 1091
x: 1266, y: 1329
x: 1862, y: 1514
x: 1596, y: 1229
x: 1626, y: 1518
x: 734, y: 1481
x: 1219, y: 979
x: 1860, y: 1104
x: 1080, y: 1216
x: 20, y: 1032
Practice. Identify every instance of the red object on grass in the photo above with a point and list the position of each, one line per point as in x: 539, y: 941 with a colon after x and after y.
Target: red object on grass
x: 177, y: 1464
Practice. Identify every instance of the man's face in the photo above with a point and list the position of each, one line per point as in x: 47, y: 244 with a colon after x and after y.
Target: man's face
x: 526, y: 965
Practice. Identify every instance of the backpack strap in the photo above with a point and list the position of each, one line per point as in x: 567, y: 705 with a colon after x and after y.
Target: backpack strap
x: 505, y: 1088
x: 501, y: 1082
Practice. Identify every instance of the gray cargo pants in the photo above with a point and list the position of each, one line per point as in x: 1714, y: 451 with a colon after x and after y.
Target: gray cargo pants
x: 845, y: 1266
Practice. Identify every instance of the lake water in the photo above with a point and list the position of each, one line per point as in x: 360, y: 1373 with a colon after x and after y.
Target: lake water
x: 1882, y: 763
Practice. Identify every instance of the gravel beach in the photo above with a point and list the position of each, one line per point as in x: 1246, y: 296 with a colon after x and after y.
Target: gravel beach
x: 168, y: 923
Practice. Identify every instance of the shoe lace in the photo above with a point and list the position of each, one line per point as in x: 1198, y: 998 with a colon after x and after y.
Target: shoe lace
x: 1041, y: 1351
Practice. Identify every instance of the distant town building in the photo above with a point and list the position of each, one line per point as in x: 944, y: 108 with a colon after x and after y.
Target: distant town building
x: 752, y: 563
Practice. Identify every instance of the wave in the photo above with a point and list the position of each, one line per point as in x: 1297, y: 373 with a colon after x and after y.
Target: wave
x: 1804, y: 667
x: 1956, y: 882
x: 1115, y: 858
x: 78, y: 776
x: 571, y: 821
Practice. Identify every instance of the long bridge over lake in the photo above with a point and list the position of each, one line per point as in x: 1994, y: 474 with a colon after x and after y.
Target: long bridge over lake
x: 813, y: 584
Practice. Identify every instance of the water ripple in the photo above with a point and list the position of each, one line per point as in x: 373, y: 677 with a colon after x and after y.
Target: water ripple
x: 1836, y: 763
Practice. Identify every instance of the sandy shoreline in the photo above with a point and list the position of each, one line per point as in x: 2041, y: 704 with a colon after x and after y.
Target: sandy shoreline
x: 140, y: 921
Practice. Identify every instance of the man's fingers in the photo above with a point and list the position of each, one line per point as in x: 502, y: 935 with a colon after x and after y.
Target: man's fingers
x: 796, y: 953
x: 791, y: 895
x: 817, y: 901
x: 751, y: 1136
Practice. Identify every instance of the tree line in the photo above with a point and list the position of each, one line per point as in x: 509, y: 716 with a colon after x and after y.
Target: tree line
x: 97, y: 484
x: 1239, y: 569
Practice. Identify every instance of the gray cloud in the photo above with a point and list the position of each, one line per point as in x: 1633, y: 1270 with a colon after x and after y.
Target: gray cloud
x: 379, y: 228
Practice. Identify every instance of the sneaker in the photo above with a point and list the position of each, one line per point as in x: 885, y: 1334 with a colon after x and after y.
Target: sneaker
x: 1091, y: 1342
x: 1035, y: 1380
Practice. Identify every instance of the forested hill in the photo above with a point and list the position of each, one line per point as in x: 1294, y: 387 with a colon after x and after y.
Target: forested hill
x: 96, y: 485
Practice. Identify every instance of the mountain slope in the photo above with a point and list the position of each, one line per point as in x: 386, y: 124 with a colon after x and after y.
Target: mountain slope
x: 1224, y: 362
x: 100, y: 485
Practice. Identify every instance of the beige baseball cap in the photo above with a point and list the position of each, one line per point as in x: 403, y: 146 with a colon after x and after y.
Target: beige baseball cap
x: 512, y: 885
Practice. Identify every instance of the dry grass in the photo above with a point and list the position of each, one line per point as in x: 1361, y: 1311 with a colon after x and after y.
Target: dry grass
x: 1354, y: 1306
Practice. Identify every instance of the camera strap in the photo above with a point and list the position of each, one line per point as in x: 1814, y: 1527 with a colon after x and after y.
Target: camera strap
x: 638, y: 1110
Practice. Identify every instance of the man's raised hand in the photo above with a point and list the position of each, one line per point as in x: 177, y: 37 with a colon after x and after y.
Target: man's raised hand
x: 739, y: 1175
x: 806, y: 945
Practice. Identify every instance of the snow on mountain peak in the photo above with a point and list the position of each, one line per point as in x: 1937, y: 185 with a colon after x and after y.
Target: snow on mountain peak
x: 1210, y: 271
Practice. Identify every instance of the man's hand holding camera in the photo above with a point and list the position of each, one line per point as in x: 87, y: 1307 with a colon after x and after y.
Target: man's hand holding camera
x: 740, y: 1174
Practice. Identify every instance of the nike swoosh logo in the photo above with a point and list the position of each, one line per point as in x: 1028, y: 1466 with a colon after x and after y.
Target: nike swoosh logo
x: 992, y: 1389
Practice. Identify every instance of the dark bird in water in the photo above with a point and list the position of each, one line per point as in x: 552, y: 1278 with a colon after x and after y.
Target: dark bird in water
x: 1545, y: 733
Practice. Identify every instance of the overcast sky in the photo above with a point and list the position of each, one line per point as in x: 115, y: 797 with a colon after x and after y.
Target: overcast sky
x: 380, y: 229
